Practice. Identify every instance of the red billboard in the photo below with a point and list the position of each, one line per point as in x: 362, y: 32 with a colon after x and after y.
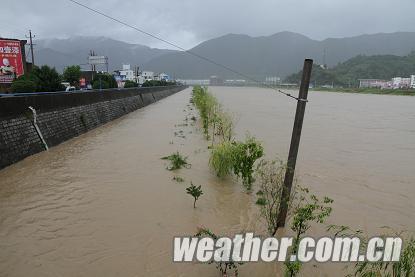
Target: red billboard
x: 11, y: 60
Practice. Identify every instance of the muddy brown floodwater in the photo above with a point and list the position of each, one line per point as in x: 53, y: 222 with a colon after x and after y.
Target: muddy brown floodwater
x: 103, y: 204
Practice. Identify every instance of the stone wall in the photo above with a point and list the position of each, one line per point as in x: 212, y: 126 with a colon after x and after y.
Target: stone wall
x: 62, y: 116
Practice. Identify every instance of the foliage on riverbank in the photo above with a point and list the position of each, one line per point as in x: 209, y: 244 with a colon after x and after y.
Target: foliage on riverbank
x: 227, y: 154
x: 349, y: 72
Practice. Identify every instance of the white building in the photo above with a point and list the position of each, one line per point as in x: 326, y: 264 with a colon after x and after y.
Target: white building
x: 147, y: 75
x: 399, y: 82
x: 412, y: 81
x: 372, y: 83
x: 127, y: 73
x: 194, y: 82
x: 273, y: 80
x: 162, y: 77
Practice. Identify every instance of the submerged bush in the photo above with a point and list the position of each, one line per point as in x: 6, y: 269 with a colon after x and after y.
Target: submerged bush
x: 177, y: 161
x: 206, y: 103
x: 237, y: 157
x: 221, y: 159
x: 244, y: 155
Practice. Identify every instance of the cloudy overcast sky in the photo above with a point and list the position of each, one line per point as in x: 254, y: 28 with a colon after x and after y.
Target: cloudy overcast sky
x: 189, y: 22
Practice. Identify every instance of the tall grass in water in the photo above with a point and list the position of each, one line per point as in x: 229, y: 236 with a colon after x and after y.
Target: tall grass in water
x: 222, y: 159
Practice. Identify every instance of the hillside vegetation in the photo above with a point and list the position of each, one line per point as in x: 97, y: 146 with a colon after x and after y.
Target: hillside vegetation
x: 347, y: 74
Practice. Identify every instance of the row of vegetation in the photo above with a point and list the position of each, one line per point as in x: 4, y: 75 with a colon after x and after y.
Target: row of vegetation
x: 242, y: 159
x: 229, y: 156
x: 47, y: 79
x: 348, y: 73
x: 149, y: 83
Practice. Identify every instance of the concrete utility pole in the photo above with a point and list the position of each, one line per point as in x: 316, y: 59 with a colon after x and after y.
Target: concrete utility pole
x: 31, y: 46
x: 295, y: 141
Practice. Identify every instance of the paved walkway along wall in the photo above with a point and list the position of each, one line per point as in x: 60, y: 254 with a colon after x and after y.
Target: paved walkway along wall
x: 61, y: 116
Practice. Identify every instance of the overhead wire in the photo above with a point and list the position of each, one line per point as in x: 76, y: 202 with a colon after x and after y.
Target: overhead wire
x: 184, y: 50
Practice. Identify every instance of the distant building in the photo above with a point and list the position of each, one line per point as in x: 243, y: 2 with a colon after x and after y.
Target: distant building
x: 162, y: 77
x: 147, y: 75
x: 272, y: 80
x: 215, y: 81
x: 239, y: 82
x: 372, y: 83
x: 194, y: 82
x: 127, y: 73
x: 399, y: 82
x: 412, y: 81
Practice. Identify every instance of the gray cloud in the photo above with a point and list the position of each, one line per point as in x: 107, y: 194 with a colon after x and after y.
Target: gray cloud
x: 189, y: 22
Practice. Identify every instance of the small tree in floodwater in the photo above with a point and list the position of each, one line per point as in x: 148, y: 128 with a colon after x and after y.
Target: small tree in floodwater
x: 270, y: 178
x: 309, y: 209
x: 194, y: 191
x: 225, y: 268
x: 245, y: 155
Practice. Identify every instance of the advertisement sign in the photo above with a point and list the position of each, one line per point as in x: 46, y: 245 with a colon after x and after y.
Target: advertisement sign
x: 95, y: 60
x: 11, y: 61
x: 82, y: 82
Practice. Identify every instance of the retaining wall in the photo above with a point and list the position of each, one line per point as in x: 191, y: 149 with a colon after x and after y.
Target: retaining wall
x: 62, y: 116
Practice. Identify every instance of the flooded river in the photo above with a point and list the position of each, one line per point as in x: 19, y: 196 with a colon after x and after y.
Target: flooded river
x: 103, y: 204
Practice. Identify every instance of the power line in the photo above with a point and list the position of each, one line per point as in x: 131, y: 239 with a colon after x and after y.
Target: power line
x: 181, y: 48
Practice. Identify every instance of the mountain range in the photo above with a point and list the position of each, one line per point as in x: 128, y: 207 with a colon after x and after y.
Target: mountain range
x: 75, y: 50
x: 280, y: 54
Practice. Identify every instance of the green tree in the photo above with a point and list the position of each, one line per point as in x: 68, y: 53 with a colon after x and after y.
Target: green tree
x: 23, y: 85
x: 45, y: 78
x: 48, y: 79
x: 309, y: 209
x: 130, y: 84
x: 245, y: 155
x: 155, y: 83
x: 107, y: 81
x: 100, y: 84
x: 72, y: 74
x: 194, y: 191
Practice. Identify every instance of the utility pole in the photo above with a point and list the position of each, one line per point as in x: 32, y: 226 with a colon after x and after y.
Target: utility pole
x: 31, y: 46
x: 295, y: 141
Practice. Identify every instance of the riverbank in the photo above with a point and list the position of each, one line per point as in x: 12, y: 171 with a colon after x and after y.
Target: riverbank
x: 410, y: 92
x: 31, y: 123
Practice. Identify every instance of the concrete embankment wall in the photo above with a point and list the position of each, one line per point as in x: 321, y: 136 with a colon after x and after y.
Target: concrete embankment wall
x: 62, y: 116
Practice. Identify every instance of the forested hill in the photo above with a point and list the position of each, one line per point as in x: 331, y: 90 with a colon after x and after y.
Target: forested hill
x: 361, y: 67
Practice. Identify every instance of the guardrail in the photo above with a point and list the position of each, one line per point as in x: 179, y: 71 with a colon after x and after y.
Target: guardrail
x: 19, y: 94
x: 14, y: 104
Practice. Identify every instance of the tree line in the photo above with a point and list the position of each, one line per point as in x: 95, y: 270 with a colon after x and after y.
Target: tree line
x: 348, y: 73
x: 47, y: 79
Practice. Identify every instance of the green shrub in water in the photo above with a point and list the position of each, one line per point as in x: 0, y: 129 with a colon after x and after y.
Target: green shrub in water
x: 177, y: 161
